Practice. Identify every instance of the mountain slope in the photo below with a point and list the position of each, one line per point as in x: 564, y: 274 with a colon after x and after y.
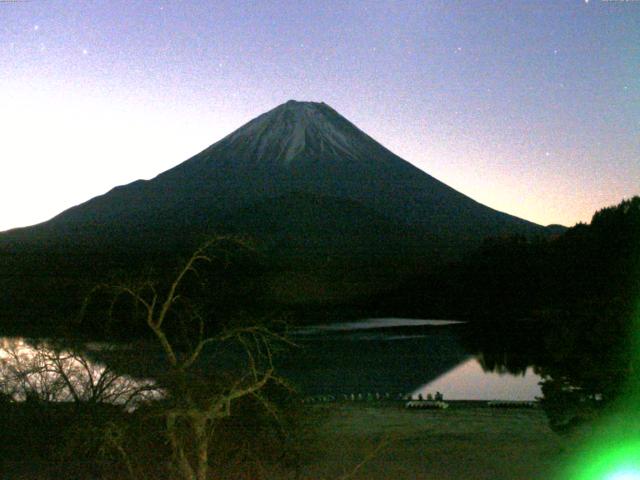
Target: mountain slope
x: 337, y: 220
x: 297, y: 148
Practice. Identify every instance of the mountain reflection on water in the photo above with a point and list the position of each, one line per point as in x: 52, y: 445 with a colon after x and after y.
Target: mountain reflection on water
x: 399, y: 356
x: 394, y: 356
x: 585, y: 361
x: 468, y: 381
x: 573, y: 371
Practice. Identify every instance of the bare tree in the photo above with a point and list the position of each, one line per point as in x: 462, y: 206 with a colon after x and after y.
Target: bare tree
x: 197, y: 398
x: 44, y: 372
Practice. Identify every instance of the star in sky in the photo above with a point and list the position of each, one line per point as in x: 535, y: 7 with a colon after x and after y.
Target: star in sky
x: 444, y: 113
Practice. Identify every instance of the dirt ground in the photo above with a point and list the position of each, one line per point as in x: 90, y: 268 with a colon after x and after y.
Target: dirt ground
x: 463, y: 442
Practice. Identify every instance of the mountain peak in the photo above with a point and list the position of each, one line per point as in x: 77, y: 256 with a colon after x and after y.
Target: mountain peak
x: 294, y: 130
x: 302, y: 110
x: 301, y: 102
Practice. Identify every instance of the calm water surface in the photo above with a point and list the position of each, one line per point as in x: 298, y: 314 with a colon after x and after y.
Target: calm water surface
x: 384, y: 355
x: 400, y: 356
x: 55, y: 374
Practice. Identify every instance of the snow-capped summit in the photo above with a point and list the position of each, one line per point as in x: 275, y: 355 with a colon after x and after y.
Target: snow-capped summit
x: 294, y: 128
x: 298, y: 132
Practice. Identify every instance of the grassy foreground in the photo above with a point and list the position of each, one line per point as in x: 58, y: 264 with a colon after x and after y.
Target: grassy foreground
x: 372, y: 441
x: 463, y: 442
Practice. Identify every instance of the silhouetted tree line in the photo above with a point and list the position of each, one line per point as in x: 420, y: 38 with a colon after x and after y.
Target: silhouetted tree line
x: 43, y: 286
x: 585, y: 270
x: 568, y: 306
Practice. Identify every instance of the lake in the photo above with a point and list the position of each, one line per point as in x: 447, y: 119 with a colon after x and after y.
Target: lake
x: 400, y: 356
x: 391, y: 356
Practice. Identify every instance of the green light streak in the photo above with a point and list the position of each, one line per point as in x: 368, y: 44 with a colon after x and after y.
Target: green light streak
x: 617, y: 459
x: 614, y: 451
x: 624, y: 475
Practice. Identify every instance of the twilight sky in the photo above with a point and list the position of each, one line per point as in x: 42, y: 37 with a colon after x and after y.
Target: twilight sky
x: 530, y: 107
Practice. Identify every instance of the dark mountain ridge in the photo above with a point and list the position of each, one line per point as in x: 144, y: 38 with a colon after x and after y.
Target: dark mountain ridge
x: 336, y: 219
x: 299, y: 149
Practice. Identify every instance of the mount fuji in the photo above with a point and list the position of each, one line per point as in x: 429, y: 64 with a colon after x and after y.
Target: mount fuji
x: 335, y: 217
x: 300, y: 178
